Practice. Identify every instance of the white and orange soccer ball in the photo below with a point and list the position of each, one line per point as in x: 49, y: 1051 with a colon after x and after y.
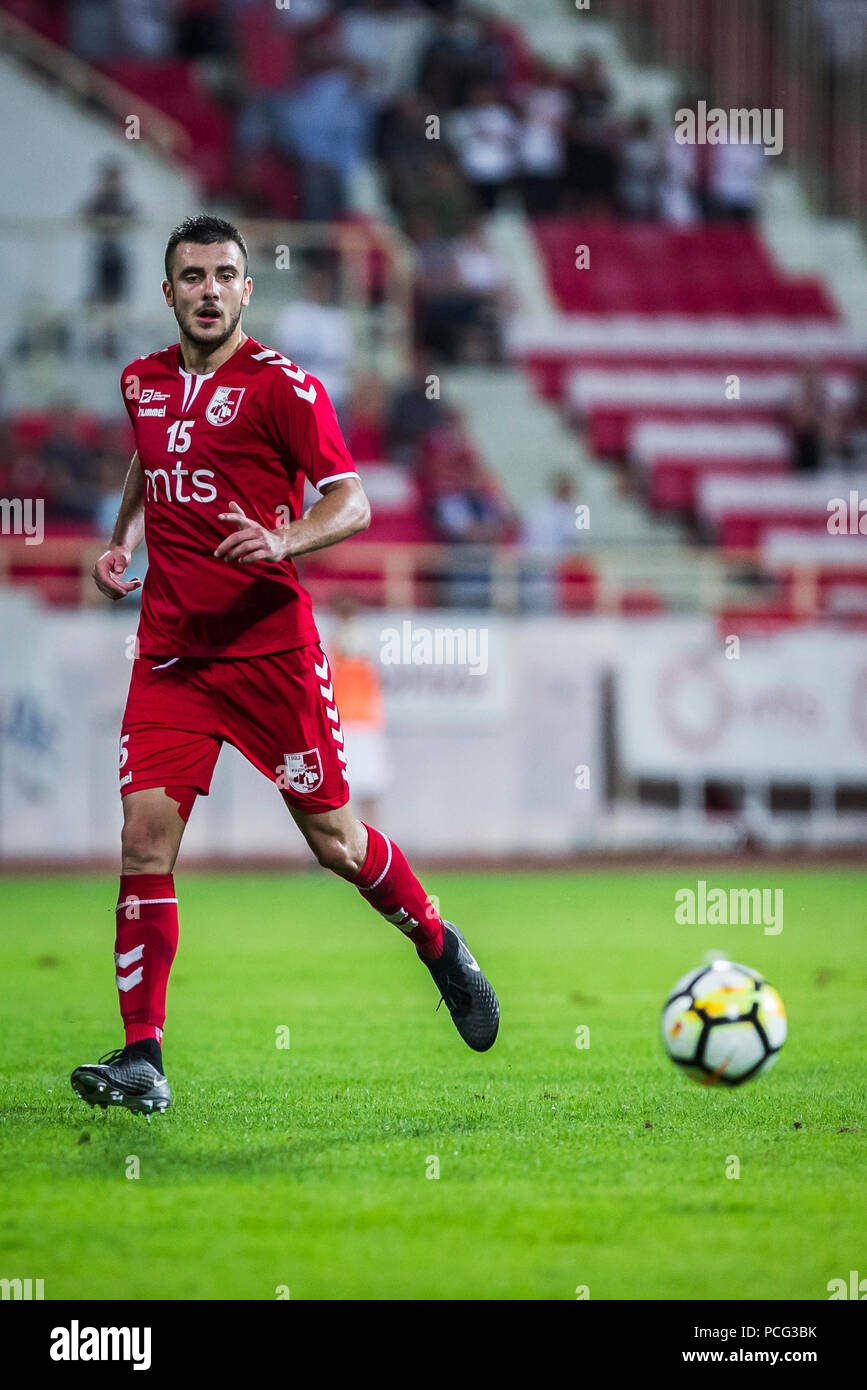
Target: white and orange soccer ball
x: 723, y: 1023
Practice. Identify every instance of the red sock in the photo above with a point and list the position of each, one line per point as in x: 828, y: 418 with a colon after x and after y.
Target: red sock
x: 389, y: 885
x: 144, y: 948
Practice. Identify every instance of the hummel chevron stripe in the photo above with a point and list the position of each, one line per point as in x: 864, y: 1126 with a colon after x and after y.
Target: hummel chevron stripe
x: 125, y: 958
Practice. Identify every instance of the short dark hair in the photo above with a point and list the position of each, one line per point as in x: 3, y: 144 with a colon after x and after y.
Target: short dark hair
x: 204, y: 230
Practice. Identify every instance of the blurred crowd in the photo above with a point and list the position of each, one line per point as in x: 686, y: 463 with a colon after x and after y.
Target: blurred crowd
x: 445, y: 107
x: 456, y: 113
x: 72, y: 461
x: 76, y: 463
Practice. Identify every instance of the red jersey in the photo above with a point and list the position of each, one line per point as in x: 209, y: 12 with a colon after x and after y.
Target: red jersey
x: 249, y: 432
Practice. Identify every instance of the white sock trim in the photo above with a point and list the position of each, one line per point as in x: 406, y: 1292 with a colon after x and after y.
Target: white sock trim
x: 132, y: 900
x: 385, y: 870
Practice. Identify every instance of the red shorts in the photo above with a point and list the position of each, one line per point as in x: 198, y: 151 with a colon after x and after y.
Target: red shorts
x: 278, y: 710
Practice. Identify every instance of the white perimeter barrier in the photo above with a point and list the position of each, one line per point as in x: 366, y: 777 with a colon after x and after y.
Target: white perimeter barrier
x: 487, y: 742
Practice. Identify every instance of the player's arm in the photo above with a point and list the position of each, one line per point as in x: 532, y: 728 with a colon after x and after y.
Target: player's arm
x: 342, y: 511
x: 128, y: 530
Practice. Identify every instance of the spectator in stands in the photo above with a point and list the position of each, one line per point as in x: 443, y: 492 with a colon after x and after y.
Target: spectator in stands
x: 314, y: 331
x: 109, y: 212
x: 735, y: 170
x: 481, y: 274
x: 385, y: 39
x: 591, y: 161
x: 145, y: 27
x: 365, y: 429
x: 460, y: 291
x: 856, y: 425
x: 111, y: 472
x: 486, y: 136
x: 544, y: 105
x: 415, y: 409
x: 71, y: 468
x: 400, y: 142
x: 641, y: 169
x: 550, y: 528
x: 200, y: 29
x: 435, y: 191
x: 811, y: 422
x: 681, y: 190
x: 466, y: 507
x: 465, y: 504
x: 325, y: 125
x: 461, y: 52
x: 549, y: 536
x: 24, y: 472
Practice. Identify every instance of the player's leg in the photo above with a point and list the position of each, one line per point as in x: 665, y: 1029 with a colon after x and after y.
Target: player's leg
x: 355, y: 851
x: 146, y: 936
x: 279, y: 710
x: 381, y: 873
x: 146, y: 939
x: 168, y: 750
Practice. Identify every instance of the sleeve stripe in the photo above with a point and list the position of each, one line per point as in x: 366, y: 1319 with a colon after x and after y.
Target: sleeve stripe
x: 335, y: 477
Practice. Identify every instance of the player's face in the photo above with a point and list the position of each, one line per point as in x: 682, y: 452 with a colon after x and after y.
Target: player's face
x: 207, y: 291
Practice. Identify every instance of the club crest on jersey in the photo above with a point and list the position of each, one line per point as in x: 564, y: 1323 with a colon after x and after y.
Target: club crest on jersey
x: 224, y: 404
x: 303, y: 771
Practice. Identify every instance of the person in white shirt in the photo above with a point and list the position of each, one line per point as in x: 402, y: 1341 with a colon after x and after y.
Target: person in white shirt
x: 542, y: 146
x: 736, y: 169
x: 486, y: 137
x: 549, y: 536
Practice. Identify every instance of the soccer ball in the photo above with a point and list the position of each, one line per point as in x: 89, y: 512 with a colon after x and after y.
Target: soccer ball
x: 723, y: 1022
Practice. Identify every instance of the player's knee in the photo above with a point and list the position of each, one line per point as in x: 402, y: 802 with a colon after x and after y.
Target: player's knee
x: 146, y: 847
x: 336, y: 854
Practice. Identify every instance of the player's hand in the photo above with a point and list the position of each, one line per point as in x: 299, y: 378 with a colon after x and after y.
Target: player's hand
x: 108, y: 573
x: 250, y: 542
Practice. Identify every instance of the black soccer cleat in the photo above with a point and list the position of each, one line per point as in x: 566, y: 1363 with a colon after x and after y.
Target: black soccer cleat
x: 467, y: 995
x: 123, y: 1077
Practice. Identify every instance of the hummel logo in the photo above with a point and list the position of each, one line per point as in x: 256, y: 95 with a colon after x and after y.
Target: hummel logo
x: 124, y: 958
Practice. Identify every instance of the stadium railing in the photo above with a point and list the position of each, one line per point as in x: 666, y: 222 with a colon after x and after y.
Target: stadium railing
x: 643, y: 581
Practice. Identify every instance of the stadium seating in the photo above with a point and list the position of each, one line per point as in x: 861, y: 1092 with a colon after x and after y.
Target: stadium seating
x: 669, y: 458
x: 823, y: 572
x: 655, y: 269
x: 740, y: 511
x: 171, y: 86
x: 606, y: 403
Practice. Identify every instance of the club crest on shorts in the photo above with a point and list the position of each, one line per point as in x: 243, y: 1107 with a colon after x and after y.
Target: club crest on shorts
x: 223, y: 406
x: 303, y: 771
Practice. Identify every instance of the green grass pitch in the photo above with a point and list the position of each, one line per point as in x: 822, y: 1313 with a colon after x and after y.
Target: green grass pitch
x: 307, y: 1167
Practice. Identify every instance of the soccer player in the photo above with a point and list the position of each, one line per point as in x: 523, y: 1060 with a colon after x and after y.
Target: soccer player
x: 226, y: 433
